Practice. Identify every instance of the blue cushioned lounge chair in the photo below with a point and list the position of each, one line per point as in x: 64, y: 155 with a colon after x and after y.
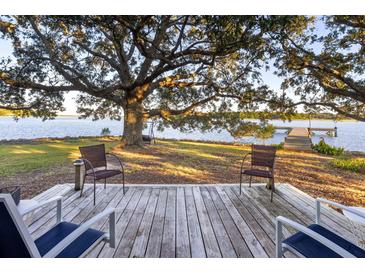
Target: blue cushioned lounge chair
x: 64, y: 240
x: 316, y: 241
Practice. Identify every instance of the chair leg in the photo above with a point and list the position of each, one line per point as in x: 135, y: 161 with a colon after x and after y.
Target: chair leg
x: 82, y: 187
x: 240, y: 183
x: 123, y: 184
x: 94, y: 191
x: 268, y: 183
x: 250, y: 181
x: 105, y: 183
x: 272, y: 188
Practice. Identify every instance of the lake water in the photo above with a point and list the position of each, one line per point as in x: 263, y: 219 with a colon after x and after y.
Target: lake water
x: 351, y: 134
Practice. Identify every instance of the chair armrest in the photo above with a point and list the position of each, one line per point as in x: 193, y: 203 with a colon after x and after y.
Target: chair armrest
x: 57, y: 199
x: 116, y: 157
x: 314, y: 235
x: 337, y: 205
x: 82, y: 228
x: 90, y: 164
x: 244, y: 159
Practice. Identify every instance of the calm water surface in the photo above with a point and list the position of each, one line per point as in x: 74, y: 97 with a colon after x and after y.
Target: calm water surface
x: 351, y: 134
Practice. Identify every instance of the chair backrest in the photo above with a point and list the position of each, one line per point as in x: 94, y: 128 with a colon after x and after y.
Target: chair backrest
x: 263, y: 155
x: 95, y: 154
x: 15, y: 239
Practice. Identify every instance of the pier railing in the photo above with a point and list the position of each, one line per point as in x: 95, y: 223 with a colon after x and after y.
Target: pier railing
x: 311, y: 129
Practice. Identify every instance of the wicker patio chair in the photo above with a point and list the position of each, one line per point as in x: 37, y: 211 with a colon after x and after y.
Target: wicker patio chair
x: 96, y: 165
x: 263, y: 157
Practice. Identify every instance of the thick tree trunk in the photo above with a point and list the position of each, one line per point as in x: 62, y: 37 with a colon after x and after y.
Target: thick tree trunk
x: 133, y: 124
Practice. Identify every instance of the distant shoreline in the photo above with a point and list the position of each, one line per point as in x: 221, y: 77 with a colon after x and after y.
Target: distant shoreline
x: 63, y: 115
x: 313, y: 119
x: 110, y: 138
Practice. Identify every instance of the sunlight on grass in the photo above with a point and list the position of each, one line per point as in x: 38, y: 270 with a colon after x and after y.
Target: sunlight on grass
x: 180, y: 169
x: 27, y: 151
x: 201, y: 154
x: 214, y: 145
x: 195, y: 152
x: 134, y: 155
x: 75, y: 154
x: 63, y: 146
x: 71, y: 151
x: 303, y: 164
x: 43, y: 155
x: 133, y: 167
x: 204, y: 150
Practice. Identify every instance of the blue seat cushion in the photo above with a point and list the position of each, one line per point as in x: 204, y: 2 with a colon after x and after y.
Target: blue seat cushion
x: 51, y: 238
x: 311, y: 248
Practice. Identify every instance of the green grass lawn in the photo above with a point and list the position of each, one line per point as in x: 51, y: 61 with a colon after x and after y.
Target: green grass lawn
x: 48, y: 153
x: 40, y: 164
x: 15, y: 158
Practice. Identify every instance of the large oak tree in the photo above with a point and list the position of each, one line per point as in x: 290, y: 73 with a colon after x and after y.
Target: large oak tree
x: 185, y: 70
x: 136, y: 67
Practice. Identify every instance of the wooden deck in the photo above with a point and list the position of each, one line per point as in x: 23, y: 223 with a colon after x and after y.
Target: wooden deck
x: 187, y: 220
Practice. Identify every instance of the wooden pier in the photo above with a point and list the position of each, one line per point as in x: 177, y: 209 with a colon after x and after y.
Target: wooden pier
x: 299, y: 138
x: 312, y: 129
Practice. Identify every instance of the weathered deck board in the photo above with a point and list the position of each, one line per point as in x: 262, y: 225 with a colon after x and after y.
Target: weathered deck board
x: 195, y: 235
x: 126, y: 243
x: 155, y: 239
x: 182, y: 231
x: 255, y: 227
x: 140, y: 243
x: 210, y: 241
x: 123, y: 222
x: 221, y: 235
x: 168, y: 237
x: 266, y: 223
x: 238, y: 242
x: 253, y: 244
x: 187, y: 220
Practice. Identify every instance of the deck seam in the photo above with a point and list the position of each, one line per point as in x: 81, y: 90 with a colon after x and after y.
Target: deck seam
x: 140, y: 222
x: 211, y: 224
x: 245, y: 222
x: 129, y: 219
x: 150, y: 229
x: 221, y: 220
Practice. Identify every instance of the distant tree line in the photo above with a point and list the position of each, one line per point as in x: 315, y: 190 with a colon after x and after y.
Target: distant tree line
x: 293, y: 116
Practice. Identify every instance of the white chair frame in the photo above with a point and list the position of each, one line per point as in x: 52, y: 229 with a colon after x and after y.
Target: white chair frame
x: 280, y: 221
x: 38, y: 205
x: 56, y: 250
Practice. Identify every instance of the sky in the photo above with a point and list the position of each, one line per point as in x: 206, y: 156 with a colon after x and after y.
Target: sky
x: 268, y: 77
